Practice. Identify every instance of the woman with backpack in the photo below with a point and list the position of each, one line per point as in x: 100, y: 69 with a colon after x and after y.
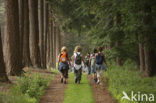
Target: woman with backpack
x: 100, y: 64
x: 63, y: 64
x: 77, y: 59
x: 87, y: 63
x: 92, y: 59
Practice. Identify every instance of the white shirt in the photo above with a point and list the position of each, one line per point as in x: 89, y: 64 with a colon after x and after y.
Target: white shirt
x: 76, y: 66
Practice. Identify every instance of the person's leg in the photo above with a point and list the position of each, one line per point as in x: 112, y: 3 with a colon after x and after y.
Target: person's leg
x: 75, y: 73
x: 88, y: 70
x: 79, y: 75
x: 98, y: 76
x: 65, y: 76
x: 61, y: 74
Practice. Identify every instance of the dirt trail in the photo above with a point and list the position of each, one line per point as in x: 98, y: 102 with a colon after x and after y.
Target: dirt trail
x: 55, y: 92
x: 100, y: 92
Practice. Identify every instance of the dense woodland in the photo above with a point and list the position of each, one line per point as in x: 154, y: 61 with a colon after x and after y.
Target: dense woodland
x: 31, y: 36
x: 33, y: 32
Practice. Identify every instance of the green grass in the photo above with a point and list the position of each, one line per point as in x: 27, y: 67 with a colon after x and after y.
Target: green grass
x: 78, y: 93
x: 128, y: 79
x: 27, y: 90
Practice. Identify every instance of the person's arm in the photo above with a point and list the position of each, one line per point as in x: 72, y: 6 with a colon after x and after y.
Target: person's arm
x: 94, y: 60
x: 58, y: 60
x: 90, y: 61
x: 104, y: 59
x: 73, y: 58
x: 83, y: 60
x: 68, y: 60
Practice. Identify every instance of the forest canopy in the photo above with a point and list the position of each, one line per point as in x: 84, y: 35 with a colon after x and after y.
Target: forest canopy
x: 125, y: 29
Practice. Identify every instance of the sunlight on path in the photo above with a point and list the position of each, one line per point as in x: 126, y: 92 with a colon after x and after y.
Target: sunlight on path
x: 78, y: 93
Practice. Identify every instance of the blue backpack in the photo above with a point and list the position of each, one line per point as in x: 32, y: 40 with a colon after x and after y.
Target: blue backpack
x: 99, y: 59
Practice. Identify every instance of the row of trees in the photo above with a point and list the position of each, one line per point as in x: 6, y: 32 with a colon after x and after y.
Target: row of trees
x: 31, y: 37
x: 125, y: 28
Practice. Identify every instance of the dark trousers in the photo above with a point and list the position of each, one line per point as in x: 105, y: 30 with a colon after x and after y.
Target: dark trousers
x: 78, y: 74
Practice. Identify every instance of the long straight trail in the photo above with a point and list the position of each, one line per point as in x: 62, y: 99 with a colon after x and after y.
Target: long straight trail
x: 85, y: 92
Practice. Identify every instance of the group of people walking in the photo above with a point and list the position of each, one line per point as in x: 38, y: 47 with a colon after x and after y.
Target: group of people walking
x: 95, y: 64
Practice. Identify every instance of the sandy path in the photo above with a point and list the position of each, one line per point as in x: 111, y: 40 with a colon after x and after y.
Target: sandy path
x: 55, y: 92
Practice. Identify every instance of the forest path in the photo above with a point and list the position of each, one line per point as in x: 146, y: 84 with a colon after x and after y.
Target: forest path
x: 100, y: 92
x: 55, y: 92
x: 85, y: 92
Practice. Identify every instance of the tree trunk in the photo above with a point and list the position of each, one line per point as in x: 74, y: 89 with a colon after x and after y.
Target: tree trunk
x: 149, y: 51
x: 51, y: 44
x: 26, y: 52
x: 118, y: 61
x: 141, y: 55
x: 12, y: 38
x: 21, y: 25
x: 48, y: 47
x: 3, y: 76
x: 45, y: 31
x: 118, y: 42
x: 34, y: 34
x: 41, y: 27
x: 57, y: 41
x: 54, y: 44
x: 150, y: 58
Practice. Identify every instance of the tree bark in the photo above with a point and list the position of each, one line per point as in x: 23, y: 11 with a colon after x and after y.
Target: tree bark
x: 51, y: 44
x: 57, y: 41
x: 118, y: 42
x: 118, y: 61
x: 149, y: 51
x: 12, y: 38
x: 54, y: 44
x: 3, y: 76
x: 21, y: 25
x: 26, y: 52
x: 41, y: 28
x: 141, y: 55
x: 34, y: 34
x: 45, y: 31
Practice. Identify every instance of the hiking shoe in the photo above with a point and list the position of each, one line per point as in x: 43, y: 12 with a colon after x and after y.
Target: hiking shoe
x: 75, y: 80
x: 78, y: 82
x: 98, y: 82
x: 61, y: 80
x: 95, y: 80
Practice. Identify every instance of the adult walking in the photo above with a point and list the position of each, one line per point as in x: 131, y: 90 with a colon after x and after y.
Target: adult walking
x: 77, y: 60
x: 92, y: 59
x: 100, y: 64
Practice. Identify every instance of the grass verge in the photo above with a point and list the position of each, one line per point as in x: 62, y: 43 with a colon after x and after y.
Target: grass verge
x: 78, y: 93
x: 28, y: 89
x: 128, y: 79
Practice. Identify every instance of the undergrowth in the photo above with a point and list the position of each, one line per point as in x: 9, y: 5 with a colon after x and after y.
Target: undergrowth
x: 128, y: 79
x: 27, y: 90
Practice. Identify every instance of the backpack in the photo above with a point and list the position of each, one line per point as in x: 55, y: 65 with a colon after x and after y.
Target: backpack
x: 78, y: 59
x: 99, y: 59
x: 63, y: 57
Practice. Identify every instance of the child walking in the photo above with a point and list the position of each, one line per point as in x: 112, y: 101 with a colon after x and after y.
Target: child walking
x: 63, y: 64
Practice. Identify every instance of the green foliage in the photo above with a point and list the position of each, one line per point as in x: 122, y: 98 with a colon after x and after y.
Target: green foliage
x: 28, y: 89
x: 104, y: 22
x: 128, y: 79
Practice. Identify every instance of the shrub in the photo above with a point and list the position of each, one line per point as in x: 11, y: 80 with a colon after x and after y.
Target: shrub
x: 27, y: 90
